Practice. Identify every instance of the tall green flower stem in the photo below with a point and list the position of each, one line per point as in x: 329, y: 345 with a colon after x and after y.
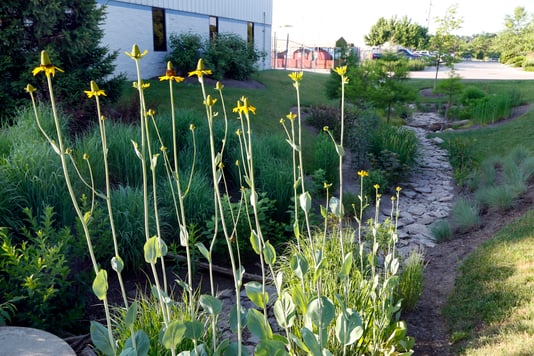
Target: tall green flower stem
x: 159, y: 249
x: 116, y: 262
x: 294, y: 156
x: 304, y: 197
x: 341, y: 151
x: 244, y: 109
x: 100, y: 284
x: 217, y: 172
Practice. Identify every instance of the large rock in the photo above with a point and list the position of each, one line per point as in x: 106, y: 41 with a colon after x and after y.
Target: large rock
x: 20, y: 341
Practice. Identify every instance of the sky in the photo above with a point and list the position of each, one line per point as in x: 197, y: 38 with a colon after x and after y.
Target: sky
x: 321, y: 23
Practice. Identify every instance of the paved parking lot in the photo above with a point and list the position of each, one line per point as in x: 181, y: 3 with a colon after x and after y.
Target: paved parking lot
x: 477, y: 70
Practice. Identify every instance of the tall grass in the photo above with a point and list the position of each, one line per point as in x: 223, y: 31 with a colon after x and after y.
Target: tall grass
x: 465, y: 215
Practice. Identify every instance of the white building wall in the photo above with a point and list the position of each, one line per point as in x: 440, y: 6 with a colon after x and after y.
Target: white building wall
x: 129, y: 22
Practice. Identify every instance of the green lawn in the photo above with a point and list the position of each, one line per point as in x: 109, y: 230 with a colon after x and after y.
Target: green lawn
x: 272, y: 102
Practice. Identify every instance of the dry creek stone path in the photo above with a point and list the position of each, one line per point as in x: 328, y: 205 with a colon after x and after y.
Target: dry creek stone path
x: 427, y: 196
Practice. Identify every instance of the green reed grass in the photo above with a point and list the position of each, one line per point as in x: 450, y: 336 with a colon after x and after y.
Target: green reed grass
x: 465, y: 215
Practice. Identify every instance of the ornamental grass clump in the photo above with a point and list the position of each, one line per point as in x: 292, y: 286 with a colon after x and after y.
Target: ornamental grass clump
x: 335, y: 284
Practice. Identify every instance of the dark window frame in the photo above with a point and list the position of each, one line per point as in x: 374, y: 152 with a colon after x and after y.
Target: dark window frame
x: 214, y: 27
x: 250, y: 33
x: 159, y: 30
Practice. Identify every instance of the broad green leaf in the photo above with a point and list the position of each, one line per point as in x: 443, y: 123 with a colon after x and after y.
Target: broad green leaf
x: 270, y: 348
x: 347, y: 266
x: 194, y: 329
x: 142, y: 342
x: 310, y: 340
x: 284, y: 311
x: 100, y: 284
x: 299, y: 298
x: 256, y: 294
x: 299, y: 343
x: 128, y: 351
x: 296, y: 229
x: 117, y: 264
x: 349, y: 327
x: 232, y: 350
x: 154, y: 248
x: 319, y: 259
x: 324, y: 212
x: 233, y: 318
x: 258, y: 326
x: 335, y: 207
x: 269, y: 253
x: 321, y: 311
x: 299, y: 265
x: 173, y: 335
x: 203, y: 250
x: 305, y: 201
x: 255, y: 242
x: 211, y: 304
x: 100, y: 338
x: 131, y: 314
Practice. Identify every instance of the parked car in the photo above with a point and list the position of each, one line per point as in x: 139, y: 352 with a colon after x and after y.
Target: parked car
x: 407, y: 53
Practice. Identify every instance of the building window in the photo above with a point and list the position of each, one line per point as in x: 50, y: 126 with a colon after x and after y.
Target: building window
x: 214, y: 27
x: 250, y: 33
x: 158, y: 29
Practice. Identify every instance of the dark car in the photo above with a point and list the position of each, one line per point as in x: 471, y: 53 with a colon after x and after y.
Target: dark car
x: 407, y: 53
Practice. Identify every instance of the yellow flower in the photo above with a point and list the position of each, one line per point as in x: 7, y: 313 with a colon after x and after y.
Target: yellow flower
x: 200, y: 71
x: 291, y: 116
x: 86, y: 156
x: 238, y: 132
x: 143, y: 85
x: 210, y: 101
x: 68, y: 151
x: 170, y: 74
x: 163, y: 148
x: 282, y: 121
x: 219, y: 86
x: 341, y: 70
x: 192, y: 127
x: 29, y: 89
x: 327, y: 185
x: 325, y: 128
x: 398, y: 189
x: 363, y: 173
x: 46, y: 66
x: 136, y: 52
x: 296, y: 76
x: 376, y: 186
x: 151, y: 112
x: 243, y: 107
x: 95, y: 90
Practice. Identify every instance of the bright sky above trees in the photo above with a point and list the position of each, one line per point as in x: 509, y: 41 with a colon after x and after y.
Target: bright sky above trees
x: 321, y: 23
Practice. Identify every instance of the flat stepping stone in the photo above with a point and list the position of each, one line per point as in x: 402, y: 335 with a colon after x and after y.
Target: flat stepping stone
x: 20, y: 341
